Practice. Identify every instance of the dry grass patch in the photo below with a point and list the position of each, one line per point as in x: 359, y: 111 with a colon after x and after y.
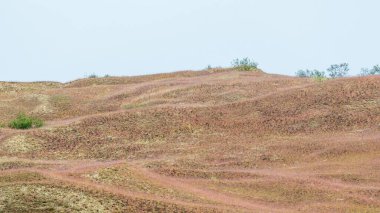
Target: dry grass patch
x: 53, y: 198
x: 20, y: 177
x: 44, y: 106
x: 131, y: 180
x: 45, y: 198
x: 340, y: 208
x: 5, y: 165
x: 21, y: 144
x: 350, y: 178
x: 279, y: 192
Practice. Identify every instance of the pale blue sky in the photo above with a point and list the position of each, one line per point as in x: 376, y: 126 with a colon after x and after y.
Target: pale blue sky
x: 63, y: 40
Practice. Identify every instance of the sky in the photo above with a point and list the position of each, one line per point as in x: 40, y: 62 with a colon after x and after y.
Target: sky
x: 62, y: 40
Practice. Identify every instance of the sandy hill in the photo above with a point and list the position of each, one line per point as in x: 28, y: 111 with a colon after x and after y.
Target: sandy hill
x: 208, y: 141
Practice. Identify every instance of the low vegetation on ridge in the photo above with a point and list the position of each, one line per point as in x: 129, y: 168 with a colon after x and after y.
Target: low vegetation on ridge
x: 245, y: 64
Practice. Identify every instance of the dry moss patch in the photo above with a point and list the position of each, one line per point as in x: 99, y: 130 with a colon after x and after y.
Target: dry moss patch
x: 5, y: 165
x: 21, y: 144
x: 20, y: 177
x: 341, y: 207
x: 350, y: 178
x: 52, y: 198
x: 43, y: 198
x: 275, y: 191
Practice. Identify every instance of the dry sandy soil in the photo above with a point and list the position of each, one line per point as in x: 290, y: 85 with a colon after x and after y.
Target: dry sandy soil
x: 206, y: 141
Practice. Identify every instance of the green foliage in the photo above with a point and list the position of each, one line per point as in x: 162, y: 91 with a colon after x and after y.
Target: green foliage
x: 25, y: 122
x: 335, y: 71
x: 93, y: 76
x: 244, y: 64
x: 338, y: 70
x: 374, y: 71
x: 107, y: 76
x: 303, y: 73
x: 311, y: 74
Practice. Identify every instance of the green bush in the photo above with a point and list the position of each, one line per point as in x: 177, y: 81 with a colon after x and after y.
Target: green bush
x: 244, y: 64
x: 374, y: 71
x: 338, y: 70
x: 303, y: 73
x: 25, y: 122
x: 93, y: 76
x: 317, y: 75
x: 310, y: 74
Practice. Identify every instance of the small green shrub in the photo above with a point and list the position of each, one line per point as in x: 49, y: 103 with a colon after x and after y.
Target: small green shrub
x: 244, y: 64
x: 25, y: 122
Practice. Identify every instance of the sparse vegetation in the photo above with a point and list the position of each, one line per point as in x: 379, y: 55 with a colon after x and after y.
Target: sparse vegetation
x: 320, y: 78
x: 334, y: 71
x: 303, y: 73
x: 49, y: 198
x: 315, y: 74
x: 25, y: 122
x: 130, y: 180
x: 375, y: 70
x: 20, y: 176
x: 210, y: 68
x: 60, y: 101
x: 338, y: 70
x: 194, y: 141
x: 93, y: 75
x: 21, y: 144
x: 7, y: 164
x: 310, y: 74
x: 244, y: 64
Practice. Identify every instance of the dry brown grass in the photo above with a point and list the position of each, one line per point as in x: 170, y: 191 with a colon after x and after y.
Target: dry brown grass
x: 215, y: 140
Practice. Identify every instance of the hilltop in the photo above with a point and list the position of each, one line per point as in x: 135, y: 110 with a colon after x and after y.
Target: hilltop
x: 218, y: 140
